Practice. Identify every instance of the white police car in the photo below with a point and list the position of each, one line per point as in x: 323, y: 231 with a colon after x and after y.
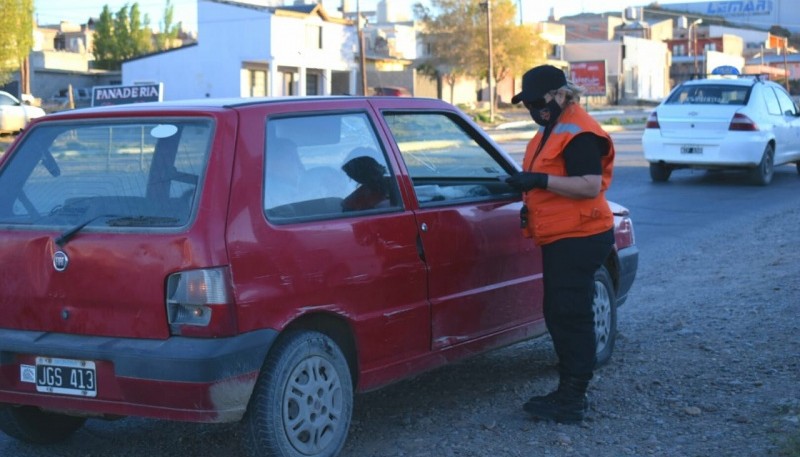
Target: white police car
x: 723, y: 123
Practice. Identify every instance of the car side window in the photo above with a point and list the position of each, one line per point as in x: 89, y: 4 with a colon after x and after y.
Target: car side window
x: 787, y: 106
x: 5, y: 100
x: 325, y: 166
x: 773, y: 107
x: 446, y: 164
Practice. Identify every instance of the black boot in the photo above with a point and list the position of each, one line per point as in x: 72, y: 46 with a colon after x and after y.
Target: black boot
x: 566, y: 405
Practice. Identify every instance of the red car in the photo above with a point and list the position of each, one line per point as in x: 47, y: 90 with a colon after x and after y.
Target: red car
x: 392, y: 91
x: 259, y: 260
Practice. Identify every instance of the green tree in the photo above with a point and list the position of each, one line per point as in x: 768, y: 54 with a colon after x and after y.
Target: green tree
x: 105, y: 51
x: 169, y: 30
x: 457, y: 39
x: 121, y: 36
x: 16, y: 35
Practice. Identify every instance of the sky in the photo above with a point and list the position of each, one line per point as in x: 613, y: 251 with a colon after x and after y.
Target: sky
x: 79, y: 11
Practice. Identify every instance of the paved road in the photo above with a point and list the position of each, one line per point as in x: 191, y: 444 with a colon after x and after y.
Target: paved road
x: 691, y: 200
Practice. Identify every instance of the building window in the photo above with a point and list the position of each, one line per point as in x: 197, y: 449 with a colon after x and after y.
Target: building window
x: 679, y: 50
x: 258, y: 83
x: 256, y: 80
x: 312, y: 84
x: 710, y: 46
x: 288, y: 83
x: 313, y: 36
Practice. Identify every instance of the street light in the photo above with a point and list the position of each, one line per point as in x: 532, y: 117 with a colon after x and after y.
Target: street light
x: 693, y: 25
x: 487, y: 6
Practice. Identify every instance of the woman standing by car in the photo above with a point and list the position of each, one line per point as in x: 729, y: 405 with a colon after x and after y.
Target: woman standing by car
x: 567, y: 168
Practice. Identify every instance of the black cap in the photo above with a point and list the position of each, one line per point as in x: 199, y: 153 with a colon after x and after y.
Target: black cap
x: 538, y: 81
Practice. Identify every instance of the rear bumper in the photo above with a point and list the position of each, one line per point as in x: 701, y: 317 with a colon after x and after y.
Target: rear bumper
x: 189, y: 379
x: 628, y: 264
x: 734, y: 150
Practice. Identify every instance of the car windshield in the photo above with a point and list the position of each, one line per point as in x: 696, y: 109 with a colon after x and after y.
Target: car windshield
x: 140, y: 173
x: 709, y: 94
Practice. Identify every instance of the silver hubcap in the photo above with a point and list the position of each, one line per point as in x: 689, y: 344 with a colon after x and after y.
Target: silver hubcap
x: 602, y: 315
x: 312, y: 405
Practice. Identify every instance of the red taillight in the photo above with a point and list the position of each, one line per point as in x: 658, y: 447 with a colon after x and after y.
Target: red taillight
x: 623, y: 235
x: 652, y: 121
x: 742, y: 123
x: 199, y: 303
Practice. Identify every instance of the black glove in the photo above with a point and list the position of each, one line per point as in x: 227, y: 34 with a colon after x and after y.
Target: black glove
x: 525, y: 181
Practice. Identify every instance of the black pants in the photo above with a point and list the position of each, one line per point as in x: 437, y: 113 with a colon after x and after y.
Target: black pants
x: 569, y: 268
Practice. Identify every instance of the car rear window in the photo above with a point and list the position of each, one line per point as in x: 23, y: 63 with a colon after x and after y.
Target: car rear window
x: 140, y: 173
x: 709, y: 94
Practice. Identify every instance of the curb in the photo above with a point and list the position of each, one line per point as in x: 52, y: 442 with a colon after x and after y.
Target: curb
x: 500, y: 134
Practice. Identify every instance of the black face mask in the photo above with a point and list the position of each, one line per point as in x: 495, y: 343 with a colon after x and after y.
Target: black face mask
x: 546, y: 115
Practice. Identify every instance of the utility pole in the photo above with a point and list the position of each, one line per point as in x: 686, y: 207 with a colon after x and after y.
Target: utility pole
x: 694, y: 44
x: 488, y: 5
x: 786, y: 68
x: 362, y: 58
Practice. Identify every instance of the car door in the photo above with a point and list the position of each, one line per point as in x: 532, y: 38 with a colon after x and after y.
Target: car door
x: 790, y: 149
x: 483, y: 276
x: 306, y: 239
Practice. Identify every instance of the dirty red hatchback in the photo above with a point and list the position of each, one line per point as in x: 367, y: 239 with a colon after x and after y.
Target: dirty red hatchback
x: 258, y: 260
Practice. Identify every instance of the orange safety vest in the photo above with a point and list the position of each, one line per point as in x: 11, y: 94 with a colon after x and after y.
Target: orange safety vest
x: 551, y: 216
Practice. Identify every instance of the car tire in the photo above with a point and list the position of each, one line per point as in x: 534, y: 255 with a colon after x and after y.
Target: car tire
x: 32, y: 425
x: 797, y: 164
x: 660, y: 172
x: 303, y: 400
x: 762, y: 174
x: 605, y: 315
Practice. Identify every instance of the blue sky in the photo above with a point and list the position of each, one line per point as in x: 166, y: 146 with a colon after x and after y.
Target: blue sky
x: 78, y: 11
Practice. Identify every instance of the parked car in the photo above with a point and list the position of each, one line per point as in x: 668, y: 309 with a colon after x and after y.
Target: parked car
x: 392, y: 91
x: 15, y: 115
x: 81, y: 97
x: 259, y: 261
x: 745, y: 123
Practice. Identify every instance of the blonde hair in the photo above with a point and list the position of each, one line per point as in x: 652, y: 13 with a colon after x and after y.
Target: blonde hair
x: 573, y: 92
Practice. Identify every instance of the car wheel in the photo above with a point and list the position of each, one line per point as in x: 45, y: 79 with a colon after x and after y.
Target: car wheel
x: 762, y: 174
x: 32, y: 425
x: 797, y: 164
x: 303, y: 400
x: 605, y: 315
x: 660, y: 172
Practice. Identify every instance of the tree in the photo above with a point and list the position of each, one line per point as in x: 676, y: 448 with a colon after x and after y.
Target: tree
x: 121, y: 36
x: 16, y: 35
x: 105, y: 51
x: 169, y: 31
x: 457, y: 39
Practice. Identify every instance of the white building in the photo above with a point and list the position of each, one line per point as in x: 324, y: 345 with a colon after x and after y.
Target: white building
x: 250, y: 50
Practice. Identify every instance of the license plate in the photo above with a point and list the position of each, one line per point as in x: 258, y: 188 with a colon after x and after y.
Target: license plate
x: 691, y: 149
x: 66, y: 376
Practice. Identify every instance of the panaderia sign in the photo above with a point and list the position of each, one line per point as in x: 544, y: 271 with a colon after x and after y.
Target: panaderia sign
x: 121, y: 95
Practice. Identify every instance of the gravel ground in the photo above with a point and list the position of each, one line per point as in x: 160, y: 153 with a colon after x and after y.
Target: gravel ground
x: 706, y: 364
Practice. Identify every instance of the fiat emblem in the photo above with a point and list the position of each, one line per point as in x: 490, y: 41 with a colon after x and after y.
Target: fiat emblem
x: 60, y: 260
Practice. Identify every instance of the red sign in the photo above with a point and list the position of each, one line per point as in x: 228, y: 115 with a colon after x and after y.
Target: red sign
x: 589, y: 75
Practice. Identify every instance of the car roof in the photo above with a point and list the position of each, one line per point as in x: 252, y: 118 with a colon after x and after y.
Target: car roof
x: 230, y: 103
x: 724, y: 81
